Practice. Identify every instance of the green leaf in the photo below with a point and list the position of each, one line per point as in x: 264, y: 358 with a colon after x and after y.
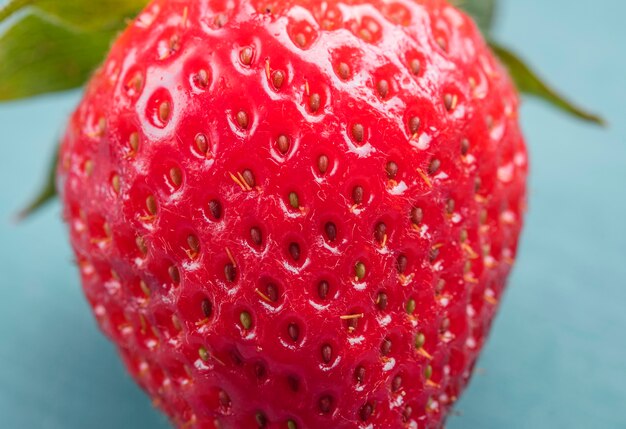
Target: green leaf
x: 483, y: 12
x: 47, y: 192
x: 83, y: 14
x: 37, y: 56
x: 529, y: 83
x: 57, y: 44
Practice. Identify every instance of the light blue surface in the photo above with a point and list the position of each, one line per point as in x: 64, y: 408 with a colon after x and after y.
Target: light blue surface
x: 557, y: 355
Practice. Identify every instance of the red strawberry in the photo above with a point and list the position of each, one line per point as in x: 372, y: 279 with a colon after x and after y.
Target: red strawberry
x: 297, y: 214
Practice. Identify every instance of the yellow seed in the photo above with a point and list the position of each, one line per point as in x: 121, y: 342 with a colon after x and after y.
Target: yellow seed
x: 246, y: 320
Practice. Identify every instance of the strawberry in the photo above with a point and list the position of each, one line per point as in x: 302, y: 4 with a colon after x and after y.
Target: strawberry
x: 297, y: 214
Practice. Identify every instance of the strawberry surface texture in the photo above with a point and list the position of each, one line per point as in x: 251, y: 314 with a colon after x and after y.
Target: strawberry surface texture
x: 297, y: 214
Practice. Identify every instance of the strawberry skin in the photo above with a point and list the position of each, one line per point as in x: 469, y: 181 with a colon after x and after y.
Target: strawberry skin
x: 297, y: 214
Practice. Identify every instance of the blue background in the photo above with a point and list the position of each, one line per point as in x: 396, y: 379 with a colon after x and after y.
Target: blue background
x: 556, y: 358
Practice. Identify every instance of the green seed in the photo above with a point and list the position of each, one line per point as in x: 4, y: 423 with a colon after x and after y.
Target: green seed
x: 428, y: 372
x: 203, y: 353
x: 359, y: 270
x: 410, y: 306
x: 420, y: 340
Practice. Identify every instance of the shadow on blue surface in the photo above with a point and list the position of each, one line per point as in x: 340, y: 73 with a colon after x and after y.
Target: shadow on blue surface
x: 556, y: 355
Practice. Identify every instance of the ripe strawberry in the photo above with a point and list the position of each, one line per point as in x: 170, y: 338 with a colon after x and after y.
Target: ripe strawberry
x: 297, y: 214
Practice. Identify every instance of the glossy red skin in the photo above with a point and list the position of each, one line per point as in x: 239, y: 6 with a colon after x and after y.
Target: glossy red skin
x: 245, y: 372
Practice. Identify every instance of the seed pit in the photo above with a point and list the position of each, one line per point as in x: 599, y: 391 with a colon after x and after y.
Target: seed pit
x: 115, y: 183
x: 383, y: 88
x: 358, y: 133
x: 204, y: 354
x: 176, y: 176
x: 207, y: 307
x: 359, y: 270
x: 366, y: 411
x: 450, y: 204
x: 382, y: 300
x: 151, y: 205
x: 215, y: 207
x: 433, y: 167
x: 201, y: 79
x: 443, y: 44
x: 465, y: 145
x: 294, y: 332
x: 314, y: 102
x: 246, y: 320
x: 380, y: 232
x: 322, y: 289
x: 441, y: 284
x: 261, y: 420
x: 294, y: 251
x: 174, y: 274
x: 327, y: 353
x: 134, y: 84
x: 294, y: 201
x: 145, y: 289
x: 385, y: 347
x: 359, y: 374
x: 272, y: 292
x: 282, y: 143
x: 392, y: 170
x: 278, y: 78
x: 414, y: 125
x: 202, y: 143
x: 343, y: 70
x: 433, y: 253
x: 410, y: 306
x: 300, y: 40
x: 260, y: 371
x: 236, y: 357
x: 224, y: 399
x: 242, y: 120
x: 248, y: 176
x: 450, y: 101
x: 294, y: 383
x: 396, y: 383
x: 194, y: 246
x: 445, y: 325
x: 420, y: 340
x: 352, y: 320
x: 326, y: 404
x: 331, y: 231
x: 256, y: 235
x: 417, y: 215
x: 133, y: 142
x: 406, y: 414
x: 230, y: 272
x: 165, y: 109
x: 428, y: 372
x: 141, y: 245
x: 246, y: 55
x: 401, y: 264
x: 322, y: 164
x: 357, y: 194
